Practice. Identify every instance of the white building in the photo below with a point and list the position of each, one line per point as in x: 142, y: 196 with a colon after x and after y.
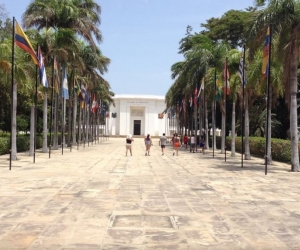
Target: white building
x: 137, y: 115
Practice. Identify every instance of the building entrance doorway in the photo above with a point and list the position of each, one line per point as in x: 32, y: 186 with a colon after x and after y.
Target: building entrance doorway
x: 136, y: 127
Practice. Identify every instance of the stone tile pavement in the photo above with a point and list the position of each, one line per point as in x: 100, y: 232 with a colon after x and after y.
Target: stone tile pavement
x: 96, y: 198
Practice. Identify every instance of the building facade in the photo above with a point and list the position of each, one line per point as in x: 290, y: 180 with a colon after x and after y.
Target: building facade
x: 137, y: 115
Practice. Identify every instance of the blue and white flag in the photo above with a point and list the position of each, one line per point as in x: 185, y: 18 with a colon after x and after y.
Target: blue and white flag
x: 242, y: 70
x: 43, y: 77
x: 65, y: 90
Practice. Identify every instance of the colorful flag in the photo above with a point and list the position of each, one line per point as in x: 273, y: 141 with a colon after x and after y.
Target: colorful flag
x: 201, y: 87
x: 43, y: 77
x: 242, y: 72
x: 161, y: 115
x: 77, y: 90
x: 265, y: 65
x: 65, y: 90
x: 226, y: 78
x: 22, y: 41
x: 94, y: 104
x: 195, y: 97
x: 56, y: 78
x: 218, y: 92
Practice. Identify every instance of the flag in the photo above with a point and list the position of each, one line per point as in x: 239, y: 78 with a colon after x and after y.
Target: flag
x: 265, y: 65
x: 56, y: 78
x: 43, y: 77
x: 191, y: 101
x: 84, y: 94
x: 94, y: 104
x: 226, y: 78
x: 65, y: 90
x: 22, y: 41
x: 166, y: 110
x: 161, y: 115
x: 242, y: 72
x: 78, y: 90
x: 195, y: 97
x: 201, y: 87
x: 218, y: 92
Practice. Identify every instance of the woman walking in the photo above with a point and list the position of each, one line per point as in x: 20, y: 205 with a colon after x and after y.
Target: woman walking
x: 129, y: 140
x: 148, y: 144
x: 176, y: 144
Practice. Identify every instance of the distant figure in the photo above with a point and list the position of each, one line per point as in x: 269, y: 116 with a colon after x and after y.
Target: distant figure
x: 148, y: 144
x: 162, y: 143
x: 185, y: 140
x: 202, y: 144
x: 193, y: 144
x: 129, y: 140
x: 176, y: 144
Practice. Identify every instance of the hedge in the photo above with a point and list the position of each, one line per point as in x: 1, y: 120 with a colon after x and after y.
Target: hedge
x: 280, y: 149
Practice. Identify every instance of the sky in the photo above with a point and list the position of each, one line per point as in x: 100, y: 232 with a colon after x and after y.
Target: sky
x: 141, y: 37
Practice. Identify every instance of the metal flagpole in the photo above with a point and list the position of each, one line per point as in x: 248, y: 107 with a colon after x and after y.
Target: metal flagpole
x: 51, y: 111
x: 35, y: 110
x: 268, y: 70
x: 225, y: 104
x: 243, y: 106
x: 214, y: 116
x: 12, y: 90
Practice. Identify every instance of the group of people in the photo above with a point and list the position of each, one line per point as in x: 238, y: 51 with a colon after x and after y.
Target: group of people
x: 176, y: 141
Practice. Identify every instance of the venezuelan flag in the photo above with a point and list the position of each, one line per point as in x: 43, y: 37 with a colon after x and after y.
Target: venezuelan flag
x: 265, y: 66
x: 22, y: 41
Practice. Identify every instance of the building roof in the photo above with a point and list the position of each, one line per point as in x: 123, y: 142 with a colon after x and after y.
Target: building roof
x: 143, y: 97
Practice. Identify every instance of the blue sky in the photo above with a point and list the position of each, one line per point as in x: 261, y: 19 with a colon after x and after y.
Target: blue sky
x: 141, y: 37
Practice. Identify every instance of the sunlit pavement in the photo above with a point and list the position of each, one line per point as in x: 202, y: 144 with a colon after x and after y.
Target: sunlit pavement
x: 97, y: 198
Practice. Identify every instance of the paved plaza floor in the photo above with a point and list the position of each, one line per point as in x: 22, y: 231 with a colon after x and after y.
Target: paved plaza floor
x: 97, y: 198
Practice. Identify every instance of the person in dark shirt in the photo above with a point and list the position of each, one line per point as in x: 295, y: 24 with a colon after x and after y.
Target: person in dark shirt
x: 129, y: 140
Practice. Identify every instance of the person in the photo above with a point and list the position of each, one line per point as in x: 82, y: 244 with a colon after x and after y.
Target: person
x: 148, y: 144
x: 202, y: 144
x: 129, y: 140
x: 185, y: 140
x: 192, y: 142
x: 162, y: 143
x: 176, y: 144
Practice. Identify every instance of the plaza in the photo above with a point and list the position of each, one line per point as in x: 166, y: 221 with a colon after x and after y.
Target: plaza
x: 97, y: 198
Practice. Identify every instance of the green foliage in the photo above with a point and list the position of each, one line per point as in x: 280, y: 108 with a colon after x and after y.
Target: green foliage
x: 281, y: 149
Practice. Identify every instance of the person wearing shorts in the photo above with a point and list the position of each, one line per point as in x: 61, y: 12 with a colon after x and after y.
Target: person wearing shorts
x: 185, y: 140
x: 193, y: 144
x: 176, y: 144
x: 148, y: 144
x: 129, y: 140
x: 202, y: 144
x: 162, y: 143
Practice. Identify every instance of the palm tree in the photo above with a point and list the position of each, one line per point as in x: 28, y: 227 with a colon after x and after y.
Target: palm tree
x: 284, y: 16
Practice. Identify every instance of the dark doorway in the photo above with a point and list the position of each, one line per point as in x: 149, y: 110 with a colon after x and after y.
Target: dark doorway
x: 136, y: 127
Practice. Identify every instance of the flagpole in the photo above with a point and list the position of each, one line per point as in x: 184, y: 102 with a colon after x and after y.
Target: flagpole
x: 268, y: 70
x: 225, y: 104
x: 62, y: 116
x: 51, y: 111
x: 214, y: 116
x: 12, y: 90
x: 35, y: 109
x: 243, y: 106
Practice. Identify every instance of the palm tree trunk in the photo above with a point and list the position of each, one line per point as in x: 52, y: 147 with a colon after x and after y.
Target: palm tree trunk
x: 223, y: 134
x: 213, y: 120
x: 206, y: 125
x: 247, y: 141
x: 31, y: 146
x: 233, y: 130
x: 55, y: 123
x: 74, y: 120
x: 14, y: 124
x: 45, y: 125
x: 293, y: 108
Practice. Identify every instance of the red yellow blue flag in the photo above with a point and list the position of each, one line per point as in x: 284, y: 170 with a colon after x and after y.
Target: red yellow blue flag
x: 265, y: 65
x: 22, y: 41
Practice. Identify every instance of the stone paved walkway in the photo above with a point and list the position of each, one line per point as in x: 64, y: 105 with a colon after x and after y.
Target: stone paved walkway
x: 96, y: 198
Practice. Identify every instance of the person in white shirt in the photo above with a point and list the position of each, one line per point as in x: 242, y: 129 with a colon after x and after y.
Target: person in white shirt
x: 162, y: 143
x: 193, y: 144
